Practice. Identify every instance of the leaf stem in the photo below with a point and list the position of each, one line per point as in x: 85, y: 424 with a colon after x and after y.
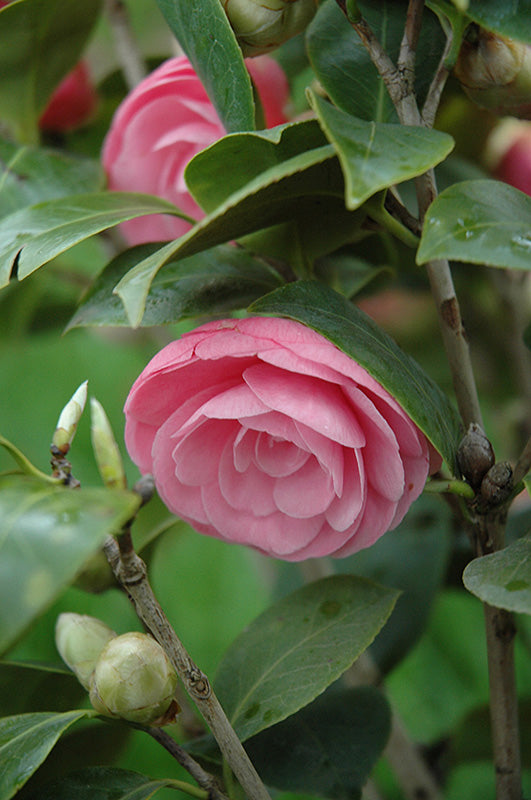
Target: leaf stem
x: 131, y: 572
x: 131, y: 61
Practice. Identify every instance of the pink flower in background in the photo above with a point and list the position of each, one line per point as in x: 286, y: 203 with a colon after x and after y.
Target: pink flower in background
x: 262, y: 432
x: 72, y: 103
x: 161, y: 125
x: 508, y: 153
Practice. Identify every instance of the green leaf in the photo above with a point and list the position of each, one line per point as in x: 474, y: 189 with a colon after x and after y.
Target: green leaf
x: 48, y: 533
x: 479, y: 222
x: 375, y: 155
x: 503, y: 579
x: 40, y: 41
x: 32, y: 236
x: 111, y: 783
x: 326, y: 749
x: 216, y: 281
x: 344, y: 67
x: 276, y: 195
x: 510, y: 19
x: 358, y: 336
x: 26, y: 740
x: 235, y: 160
x: 30, y: 175
x: 204, y: 33
x: 298, y: 647
x: 37, y: 686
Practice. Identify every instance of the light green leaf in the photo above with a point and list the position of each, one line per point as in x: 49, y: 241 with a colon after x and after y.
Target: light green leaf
x: 298, y: 647
x: 40, y: 41
x: 111, y: 783
x: 503, y: 579
x: 376, y: 155
x: 32, y: 236
x: 479, y: 222
x: 216, y: 281
x: 344, y: 68
x: 234, y: 161
x: 510, y: 19
x: 327, y: 748
x: 358, y: 336
x: 30, y: 175
x: 47, y: 534
x: 25, y: 742
x: 204, y: 33
x: 274, y: 196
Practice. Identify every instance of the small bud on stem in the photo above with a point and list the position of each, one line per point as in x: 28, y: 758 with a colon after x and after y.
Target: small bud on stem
x: 263, y: 25
x: 475, y: 456
x: 80, y: 640
x: 106, y: 451
x: 68, y: 420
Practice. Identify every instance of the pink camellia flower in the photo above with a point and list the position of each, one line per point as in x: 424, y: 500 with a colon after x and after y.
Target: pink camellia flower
x: 161, y: 125
x: 72, y: 104
x: 508, y: 153
x: 262, y: 432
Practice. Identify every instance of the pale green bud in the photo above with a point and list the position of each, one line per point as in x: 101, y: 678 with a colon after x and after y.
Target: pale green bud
x: 134, y: 679
x: 80, y: 640
x: 106, y: 451
x: 495, y: 72
x: 263, y: 25
x: 68, y: 419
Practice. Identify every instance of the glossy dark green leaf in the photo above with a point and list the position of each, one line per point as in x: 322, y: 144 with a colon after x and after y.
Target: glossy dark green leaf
x: 26, y: 740
x: 107, y: 783
x: 480, y: 222
x: 503, y: 579
x: 206, y: 37
x: 29, y: 175
x: 48, y: 533
x: 299, y: 646
x: 326, y: 749
x: 510, y: 19
x: 40, y: 41
x: 358, y: 336
x: 413, y: 558
x: 216, y: 281
x: 32, y: 236
x: 344, y: 67
x: 276, y: 195
x: 37, y: 686
x: 376, y: 155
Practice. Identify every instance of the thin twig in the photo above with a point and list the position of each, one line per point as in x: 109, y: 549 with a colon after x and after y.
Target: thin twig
x: 408, y: 46
x: 131, y: 572
x: 523, y: 465
x: 131, y: 61
x: 433, y: 98
x: 203, y: 778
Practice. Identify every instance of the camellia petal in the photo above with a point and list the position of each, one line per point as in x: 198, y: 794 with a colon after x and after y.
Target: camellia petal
x: 261, y: 432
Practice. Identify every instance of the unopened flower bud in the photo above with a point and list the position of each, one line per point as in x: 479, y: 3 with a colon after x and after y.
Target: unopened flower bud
x: 106, y: 451
x: 495, y: 72
x: 68, y: 420
x: 475, y: 456
x: 263, y: 25
x: 134, y: 679
x: 80, y: 640
x: 497, y: 484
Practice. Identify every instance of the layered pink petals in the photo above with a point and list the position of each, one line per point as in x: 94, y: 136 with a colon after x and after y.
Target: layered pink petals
x: 165, y: 121
x: 261, y: 432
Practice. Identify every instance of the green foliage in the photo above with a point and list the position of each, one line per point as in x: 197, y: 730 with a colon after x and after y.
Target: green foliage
x: 328, y: 748
x: 203, y: 31
x: 480, y: 222
x: 40, y: 41
x: 357, y: 335
x: 26, y: 740
x: 509, y: 19
x: 48, y: 534
x: 297, y: 648
x: 33, y: 174
x: 503, y: 579
x: 218, y: 281
x: 110, y: 783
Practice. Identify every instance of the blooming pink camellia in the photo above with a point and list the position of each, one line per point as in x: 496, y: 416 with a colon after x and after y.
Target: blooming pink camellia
x: 262, y: 432
x: 72, y: 103
x: 161, y: 125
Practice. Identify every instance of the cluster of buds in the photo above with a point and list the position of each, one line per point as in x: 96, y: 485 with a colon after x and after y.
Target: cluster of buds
x: 495, y: 72
x: 128, y: 676
x: 262, y: 26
